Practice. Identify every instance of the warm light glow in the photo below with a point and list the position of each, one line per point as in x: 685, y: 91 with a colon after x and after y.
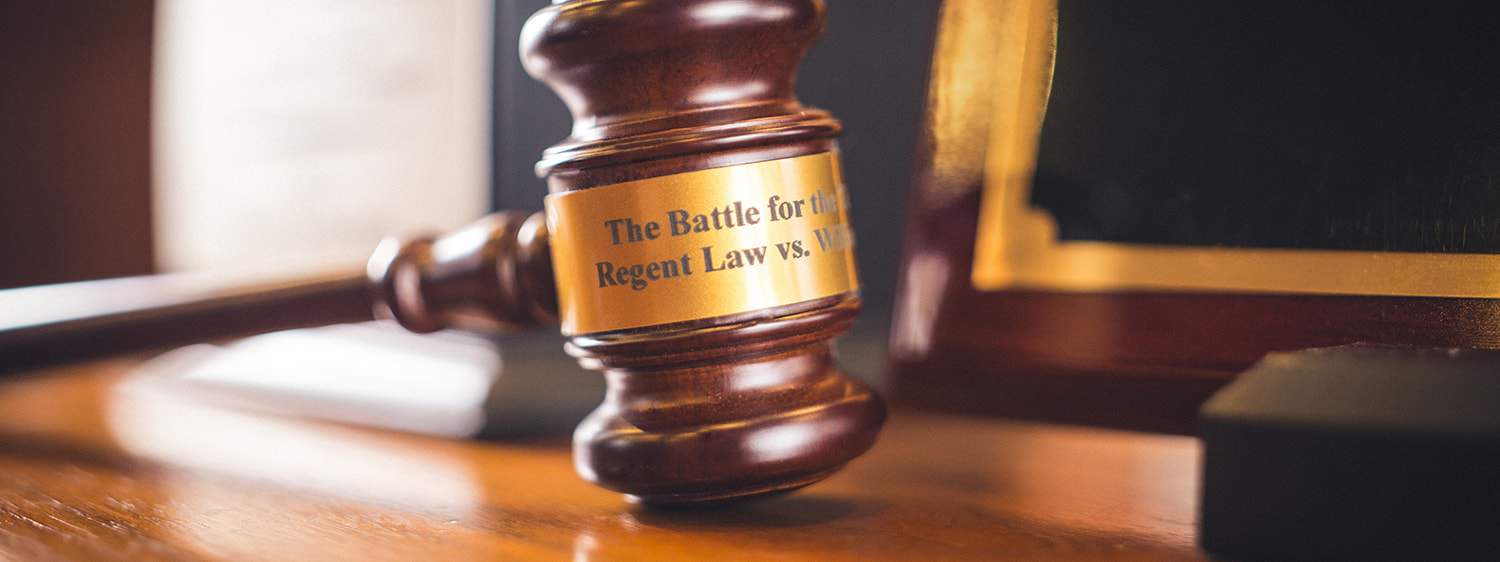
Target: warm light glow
x: 730, y: 11
x: 779, y: 442
x: 728, y: 93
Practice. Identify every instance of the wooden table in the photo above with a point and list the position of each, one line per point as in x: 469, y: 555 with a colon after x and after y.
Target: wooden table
x: 91, y: 470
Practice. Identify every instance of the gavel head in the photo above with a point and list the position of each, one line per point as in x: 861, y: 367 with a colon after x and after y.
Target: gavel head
x: 700, y: 249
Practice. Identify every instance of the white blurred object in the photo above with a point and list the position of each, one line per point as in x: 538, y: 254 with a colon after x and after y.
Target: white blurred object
x: 362, y: 374
x: 449, y: 384
x: 291, y: 133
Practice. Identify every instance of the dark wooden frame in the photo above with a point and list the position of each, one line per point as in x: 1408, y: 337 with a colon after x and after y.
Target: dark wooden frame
x: 1136, y: 360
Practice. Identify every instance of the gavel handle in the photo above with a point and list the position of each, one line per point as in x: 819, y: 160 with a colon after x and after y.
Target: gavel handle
x: 74, y: 321
x: 492, y: 275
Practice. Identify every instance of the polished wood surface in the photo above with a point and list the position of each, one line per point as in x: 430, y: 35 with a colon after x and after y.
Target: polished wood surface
x: 97, y: 468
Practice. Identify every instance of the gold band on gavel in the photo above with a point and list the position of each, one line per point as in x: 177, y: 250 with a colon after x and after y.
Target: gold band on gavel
x: 703, y: 244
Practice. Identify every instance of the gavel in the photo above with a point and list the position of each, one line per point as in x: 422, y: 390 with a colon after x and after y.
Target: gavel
x: 694, y: 248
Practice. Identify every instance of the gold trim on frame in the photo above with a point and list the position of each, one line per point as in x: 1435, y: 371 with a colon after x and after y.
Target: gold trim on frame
x: 1017, y: 245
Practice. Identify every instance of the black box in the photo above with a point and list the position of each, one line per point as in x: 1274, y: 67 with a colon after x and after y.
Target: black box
x: 1355, y: 452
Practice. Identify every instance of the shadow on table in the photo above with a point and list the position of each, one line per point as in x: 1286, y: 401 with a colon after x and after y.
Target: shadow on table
x: 790, y: 511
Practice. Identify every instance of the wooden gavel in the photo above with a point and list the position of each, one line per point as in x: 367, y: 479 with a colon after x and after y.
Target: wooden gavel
x: 695, y: 249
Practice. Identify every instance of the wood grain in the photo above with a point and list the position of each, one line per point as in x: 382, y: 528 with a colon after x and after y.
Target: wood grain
x: 96, y: 468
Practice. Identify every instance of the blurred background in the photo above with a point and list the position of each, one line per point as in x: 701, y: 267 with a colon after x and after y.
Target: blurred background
x: 146, y: 136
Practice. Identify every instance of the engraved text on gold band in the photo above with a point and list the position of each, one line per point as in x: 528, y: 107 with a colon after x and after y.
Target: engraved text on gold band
x: 702, y: 244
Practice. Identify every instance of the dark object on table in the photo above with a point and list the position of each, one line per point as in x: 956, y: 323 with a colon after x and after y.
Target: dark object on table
x: 1355, y: 452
